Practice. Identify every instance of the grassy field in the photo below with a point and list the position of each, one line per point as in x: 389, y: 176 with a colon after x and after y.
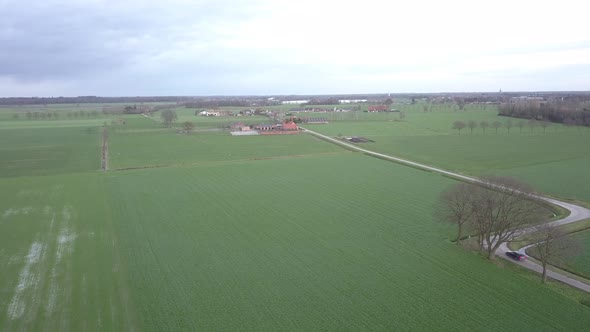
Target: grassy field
x: 129, y: 148
x: 250, y: 233
x: 581, y: 263
x: 62, y: 267
x: 554, y: 161
x: 302, y: 244
x: 43, y: 151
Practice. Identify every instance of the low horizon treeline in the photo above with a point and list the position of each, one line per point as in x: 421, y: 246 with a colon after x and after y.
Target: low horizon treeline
x: 565, y: 113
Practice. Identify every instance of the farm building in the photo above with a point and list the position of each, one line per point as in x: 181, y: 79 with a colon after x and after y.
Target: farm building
x: 287, y: 127
x: 209, y: 113
x: 290, y: 125
x: 239, y: 126
x: 315, y: 120
x: 378, y: 108
x: 265, y: 127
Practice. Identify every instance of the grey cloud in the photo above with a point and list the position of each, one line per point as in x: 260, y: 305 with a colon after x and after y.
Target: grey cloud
x: 60, y: 40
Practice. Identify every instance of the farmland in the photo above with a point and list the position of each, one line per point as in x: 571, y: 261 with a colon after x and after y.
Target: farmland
x: 348, y: 257
x: 131, y: 148
x: 254, y: 233
x: 581, y: 263
x: 554, y: 161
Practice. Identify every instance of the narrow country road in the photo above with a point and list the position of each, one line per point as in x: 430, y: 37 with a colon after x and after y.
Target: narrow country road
x: 577, y: 213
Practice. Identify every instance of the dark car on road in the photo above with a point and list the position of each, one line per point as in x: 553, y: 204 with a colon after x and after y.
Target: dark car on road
x: 516, y: 255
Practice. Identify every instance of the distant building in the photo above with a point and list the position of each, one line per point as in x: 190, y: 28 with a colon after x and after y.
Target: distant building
x: 294, y: 102
x: 315, y: 120
x: 378, y: 108
x: 352, y: 101
x: 209, y: 113
x: 289, y: 126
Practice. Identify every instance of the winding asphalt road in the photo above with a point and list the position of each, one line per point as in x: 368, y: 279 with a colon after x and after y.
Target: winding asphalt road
x: 577, y: 213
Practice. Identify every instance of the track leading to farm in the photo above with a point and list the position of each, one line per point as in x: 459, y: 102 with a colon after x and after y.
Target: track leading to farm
x: 577, y: 213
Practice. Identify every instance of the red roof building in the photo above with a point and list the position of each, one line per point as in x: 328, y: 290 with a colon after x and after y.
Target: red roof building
x: 290, y: 126
x: 377, y: 108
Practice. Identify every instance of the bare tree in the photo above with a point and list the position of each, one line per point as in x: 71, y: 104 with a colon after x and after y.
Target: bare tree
x: 484, y: 125
x: 168, y: 116
x: 497, y: 125
x: 455, y: 206
x: 553, y: 245
x: 501, y: 210
x: 520, y: 125
x: 508, y: 125
x: 461, y: 103
x: 458, y: 125
x: 532, y: 124
x: 472, y: 125
x: 187, y: 126
x: 544, y: 125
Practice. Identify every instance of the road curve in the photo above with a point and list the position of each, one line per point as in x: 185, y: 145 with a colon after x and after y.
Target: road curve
x: 577, y: 213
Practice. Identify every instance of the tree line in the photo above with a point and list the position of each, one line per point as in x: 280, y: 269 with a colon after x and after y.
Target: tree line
x: 49, y: 115
x: 571, y: 114
x: 496, y: 125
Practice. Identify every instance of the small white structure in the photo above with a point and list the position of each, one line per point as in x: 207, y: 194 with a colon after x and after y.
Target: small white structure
x: 294, y: 102
x: 352, y: 101
x: 209, y: 113
x: 244, y: 133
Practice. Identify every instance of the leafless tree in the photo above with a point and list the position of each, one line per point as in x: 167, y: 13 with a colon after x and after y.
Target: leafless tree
x: 532, y: 124
x: 455, y: 206
x: 520, y: 125
x: 569, y: 122
x: 472, y: 125
x: 461, y: 103
x: 508, y: 124
x: 497, y: 125
x: 458, y: 125
x: 168, y: 116
x: 484, y: 125
x: 502, y: 209
x: 553, y: 246
x: 187, y: 126
x: 544, y: 125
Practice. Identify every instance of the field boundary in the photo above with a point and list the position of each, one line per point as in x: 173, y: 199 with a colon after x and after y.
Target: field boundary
x: 104, y: 160
x: 577, y: 212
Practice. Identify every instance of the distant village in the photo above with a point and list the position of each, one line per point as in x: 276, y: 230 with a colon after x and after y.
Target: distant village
x: 280, y: 126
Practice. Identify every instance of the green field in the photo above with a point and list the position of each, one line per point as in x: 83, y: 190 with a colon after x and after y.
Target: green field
x: 554, y: 161
x: 43, y: 151
x: 132, y: 148
x: 581, y: 262
x: 248, y: 233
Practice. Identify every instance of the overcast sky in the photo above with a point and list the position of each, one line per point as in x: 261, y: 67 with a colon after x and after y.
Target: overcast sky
x: 228, y: 47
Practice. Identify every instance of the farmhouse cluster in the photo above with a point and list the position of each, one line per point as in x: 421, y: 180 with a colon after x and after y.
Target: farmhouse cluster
x: 285, y: 128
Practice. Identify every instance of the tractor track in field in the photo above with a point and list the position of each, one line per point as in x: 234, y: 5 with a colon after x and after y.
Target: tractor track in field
x: 577, y: 213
